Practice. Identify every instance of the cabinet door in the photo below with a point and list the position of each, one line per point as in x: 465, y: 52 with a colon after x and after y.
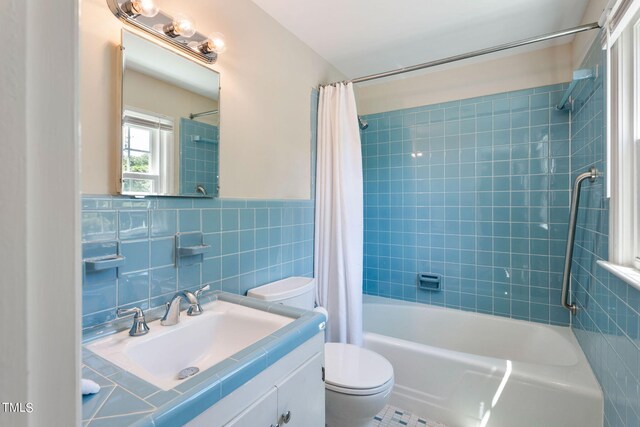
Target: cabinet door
x: 301, y: 395
x: 261, y: 413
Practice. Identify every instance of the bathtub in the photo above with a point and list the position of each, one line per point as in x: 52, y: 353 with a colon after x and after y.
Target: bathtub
x: 474, y: 370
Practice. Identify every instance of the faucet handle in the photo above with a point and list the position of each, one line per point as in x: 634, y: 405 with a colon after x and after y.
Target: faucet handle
x: 139, y: 326
x: 136, y: 311
x: 202, y: 290
x: 196, y: 309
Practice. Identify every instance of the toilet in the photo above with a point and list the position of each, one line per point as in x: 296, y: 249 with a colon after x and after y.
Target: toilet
x: 358, y: 381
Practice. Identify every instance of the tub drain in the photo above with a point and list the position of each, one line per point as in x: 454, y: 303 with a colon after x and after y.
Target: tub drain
x: 188, y: 372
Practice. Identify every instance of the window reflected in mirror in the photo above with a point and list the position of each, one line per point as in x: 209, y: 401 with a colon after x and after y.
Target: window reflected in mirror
x: 147, y: 152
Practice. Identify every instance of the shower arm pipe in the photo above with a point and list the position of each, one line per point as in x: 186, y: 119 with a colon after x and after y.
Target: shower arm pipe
x: 204, y: 113
x: 524, y: 42
x: 591, y: 175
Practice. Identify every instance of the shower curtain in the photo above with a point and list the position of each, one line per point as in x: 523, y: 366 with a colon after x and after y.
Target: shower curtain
x: 339, y: 214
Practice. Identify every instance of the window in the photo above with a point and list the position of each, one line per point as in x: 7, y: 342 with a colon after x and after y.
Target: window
x: 147, y: 159
x: 624, y: 133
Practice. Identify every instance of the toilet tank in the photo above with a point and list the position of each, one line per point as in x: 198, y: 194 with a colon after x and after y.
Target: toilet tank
x: 297, y: 292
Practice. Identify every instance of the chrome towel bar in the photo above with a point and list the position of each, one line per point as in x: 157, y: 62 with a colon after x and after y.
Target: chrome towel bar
x: 573, y: 215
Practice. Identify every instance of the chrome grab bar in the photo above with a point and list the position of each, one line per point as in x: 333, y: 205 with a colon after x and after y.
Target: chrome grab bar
x: 573, y: 215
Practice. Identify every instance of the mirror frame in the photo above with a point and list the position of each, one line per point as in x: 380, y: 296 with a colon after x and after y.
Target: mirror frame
x: 121, y: 107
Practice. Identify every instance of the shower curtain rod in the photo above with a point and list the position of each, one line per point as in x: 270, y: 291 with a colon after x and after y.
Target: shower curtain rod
x: 455, y: 58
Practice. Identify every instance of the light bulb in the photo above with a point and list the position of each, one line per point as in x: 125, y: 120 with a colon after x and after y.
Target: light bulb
x: 145, y: 8
x: 141, y: 7
x: 182, y: 25
x: 218, y: 42
x: 214, y: 43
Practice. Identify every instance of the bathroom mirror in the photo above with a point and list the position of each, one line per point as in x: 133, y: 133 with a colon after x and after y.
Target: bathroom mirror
x: 170, y: 120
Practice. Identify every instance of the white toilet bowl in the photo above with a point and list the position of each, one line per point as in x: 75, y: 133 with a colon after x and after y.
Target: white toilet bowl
x: 358, y: 383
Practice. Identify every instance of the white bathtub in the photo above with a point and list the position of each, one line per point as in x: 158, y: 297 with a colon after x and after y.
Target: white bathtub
x: 470, y: 370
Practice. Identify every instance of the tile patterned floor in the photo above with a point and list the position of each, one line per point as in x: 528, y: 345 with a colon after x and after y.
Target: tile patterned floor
x: 391, y: 416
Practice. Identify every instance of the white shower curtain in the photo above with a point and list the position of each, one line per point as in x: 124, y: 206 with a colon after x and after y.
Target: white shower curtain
x: 339, y: 214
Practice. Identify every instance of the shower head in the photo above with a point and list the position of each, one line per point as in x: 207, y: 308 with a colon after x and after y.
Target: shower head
x: 362, y: 123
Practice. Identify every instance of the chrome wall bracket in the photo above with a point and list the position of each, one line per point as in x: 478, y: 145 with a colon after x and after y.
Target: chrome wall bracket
x: 155, y: 25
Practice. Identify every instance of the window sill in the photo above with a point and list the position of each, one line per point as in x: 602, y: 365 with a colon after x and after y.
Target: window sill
x: 628, y: 274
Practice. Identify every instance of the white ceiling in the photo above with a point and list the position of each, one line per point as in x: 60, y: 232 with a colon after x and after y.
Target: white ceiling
x: 361, y: 37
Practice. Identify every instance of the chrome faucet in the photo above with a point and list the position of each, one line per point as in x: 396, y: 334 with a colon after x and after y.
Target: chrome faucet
x: 139, y: 326
x: 172, y: 315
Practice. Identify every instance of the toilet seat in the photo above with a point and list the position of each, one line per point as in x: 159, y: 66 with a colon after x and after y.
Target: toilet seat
x: 356, y: 371
x: 359, y: 392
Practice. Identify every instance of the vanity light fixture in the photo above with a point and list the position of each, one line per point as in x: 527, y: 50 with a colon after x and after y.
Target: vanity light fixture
x: 178, y: 31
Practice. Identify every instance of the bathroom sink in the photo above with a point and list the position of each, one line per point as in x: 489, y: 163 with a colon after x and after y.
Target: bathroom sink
x: 223, y: 329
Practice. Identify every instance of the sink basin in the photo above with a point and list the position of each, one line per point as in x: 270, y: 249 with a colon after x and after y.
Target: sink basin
x: 223, y: 329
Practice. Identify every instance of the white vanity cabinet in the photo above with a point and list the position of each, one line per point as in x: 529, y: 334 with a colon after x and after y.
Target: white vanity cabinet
x: 290, y: 393
x: 296, y: 401
x: 262, y: 412
x: 301, y: 395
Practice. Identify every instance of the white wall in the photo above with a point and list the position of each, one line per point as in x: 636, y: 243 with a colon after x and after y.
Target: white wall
x: 468, y: 79
x: 583, y: 41
x: 39, y: 210
x: 266, y: 77
x: 482, y: 76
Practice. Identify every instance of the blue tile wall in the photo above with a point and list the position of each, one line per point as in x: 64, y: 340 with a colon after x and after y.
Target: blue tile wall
x: 199, y: 157
x: 253, y: 242
x: 477, y: 191
x: 608, y: 321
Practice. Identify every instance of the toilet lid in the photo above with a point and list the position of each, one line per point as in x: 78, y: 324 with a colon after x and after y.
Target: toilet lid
x: 349, y: 367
